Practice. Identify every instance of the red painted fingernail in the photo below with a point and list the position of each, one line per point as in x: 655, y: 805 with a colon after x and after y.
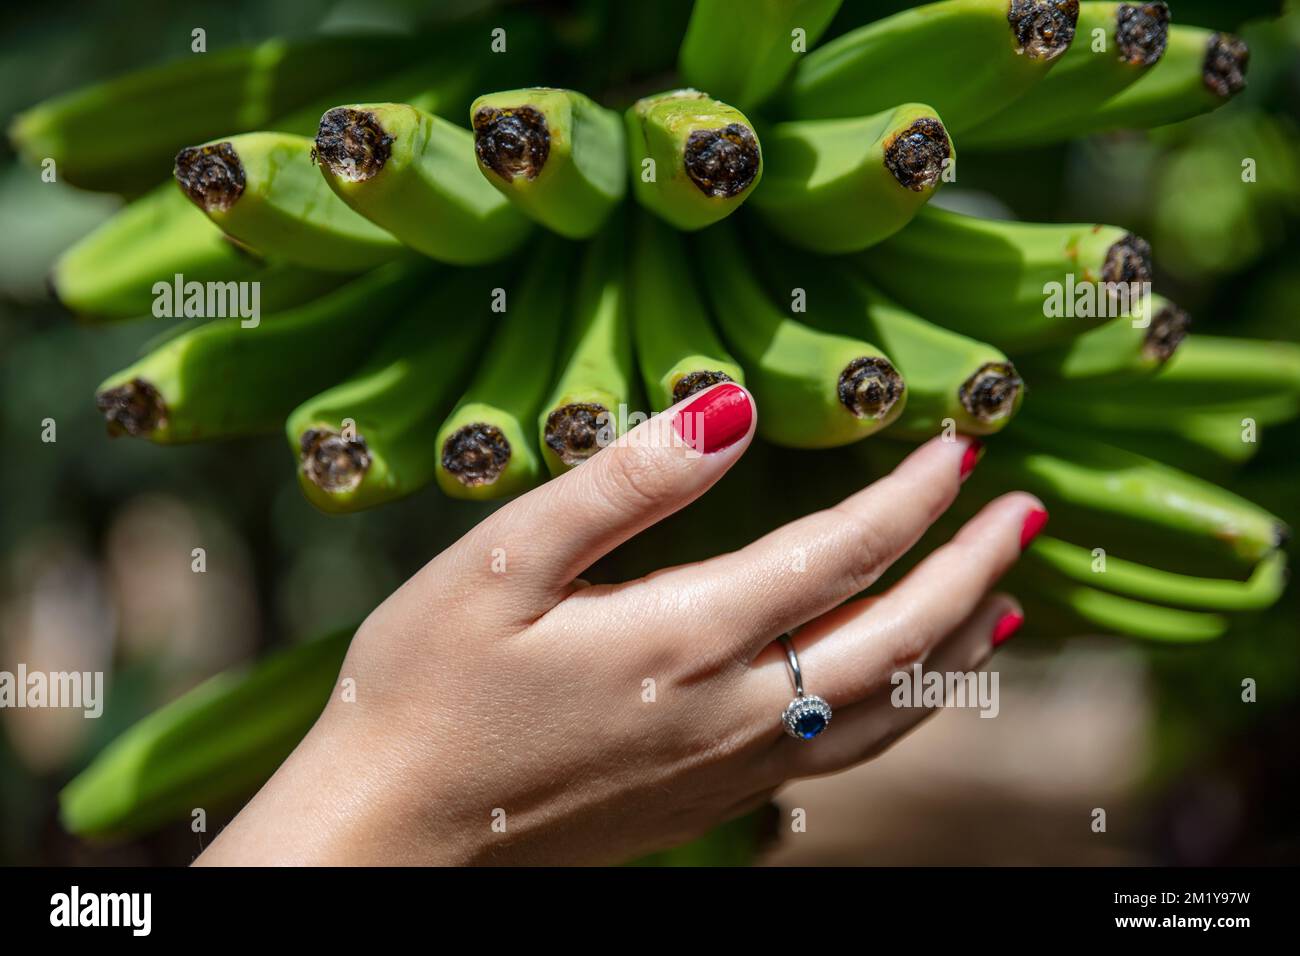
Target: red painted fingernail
x: 1007, y: 625
x: 716, y: 420
x: 1034, y: 523
x: 974, y: 452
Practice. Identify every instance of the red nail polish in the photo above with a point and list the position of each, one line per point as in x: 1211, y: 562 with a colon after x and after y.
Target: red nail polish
x: 715, y: 420
x: 974, y: 452
x: 1007, y: 625
x: 1034, y: 523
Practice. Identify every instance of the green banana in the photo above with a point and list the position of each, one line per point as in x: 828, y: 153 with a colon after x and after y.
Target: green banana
x: 263, y: 190
x: 1264, y: 587
x: 1118, y: 43
x: 207, y: 749
x: 1132, y: 506
x: 693, y: 159
x: 1200, y: 71
x: 370, y: 439
x: 556, y: 154
x: 1161, y: 429
x: 113, y: 272
x: 965, y: 58
x: 814, y: 389
x: 94, y: 146
x: 487, y: 444
x: 743, y: 55
x: 1121, y: 349
x: 950, y: 378
x: 842, y: 185
x: 414, y: 174
x: 587, y: 407
x: 1115, y: 614
x: 677, y: 348
x: 1215, y: 370
x: 1014, y: 285
x: 221, y: 380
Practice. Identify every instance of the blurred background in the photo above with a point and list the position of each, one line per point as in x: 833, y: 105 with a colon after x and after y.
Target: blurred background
x: 96, y: 535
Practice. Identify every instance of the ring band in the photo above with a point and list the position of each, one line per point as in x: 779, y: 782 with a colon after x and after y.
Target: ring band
x: 807, y: 715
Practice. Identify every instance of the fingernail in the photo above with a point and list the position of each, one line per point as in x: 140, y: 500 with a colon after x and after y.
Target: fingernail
x: 1034, y: 522
x: 1007, y: 625
x: 716, y: 420
x: 974, y: 452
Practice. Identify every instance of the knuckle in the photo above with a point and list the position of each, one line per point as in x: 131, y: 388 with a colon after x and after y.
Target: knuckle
x: 632, y: 478
x: 868, y: 548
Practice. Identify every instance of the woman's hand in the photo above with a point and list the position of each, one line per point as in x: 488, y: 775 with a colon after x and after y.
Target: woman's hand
x: 506, y: 712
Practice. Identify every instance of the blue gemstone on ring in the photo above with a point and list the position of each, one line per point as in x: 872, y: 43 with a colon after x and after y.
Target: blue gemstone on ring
x: 810, y: 725
x: 806, y: 717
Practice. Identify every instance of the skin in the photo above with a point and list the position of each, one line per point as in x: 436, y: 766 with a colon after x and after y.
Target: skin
x: 522, y: 690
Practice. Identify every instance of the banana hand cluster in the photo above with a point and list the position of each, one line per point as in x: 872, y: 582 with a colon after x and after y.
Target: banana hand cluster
x: 475, y: 289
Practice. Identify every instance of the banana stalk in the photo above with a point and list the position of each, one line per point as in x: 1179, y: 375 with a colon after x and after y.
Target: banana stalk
x: 693, y: 159
x: 371, y: 438
x: 222, y: 380
x: 555, y: 154
x: 1118, y: 43
x: 209, y: 748
x: 678, y: 350
x: 965, y: 58
x: 263, y: 190
x: 488, y: 443
x: 1014, y: 285
x: 843, y: 185
x: 589, y: 401
x: 741, y: 54
x: 814, y: 389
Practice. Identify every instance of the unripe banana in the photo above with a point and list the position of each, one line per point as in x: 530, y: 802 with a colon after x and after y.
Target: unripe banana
x: 1133, y: 507
x: 1215, y: 370
x: 209, y: 748
x: 742, y: 52
x: 594, y: 389
x: 814, y: 389
x: 1121, y: 349
x: 693, y: 159
x: 966, y: 58
x: 371, y: 438
x: 264, y: 190
x: 952, y: 380
x: 846, y: 184
x: 1200, y: 71
x: 1114, y: 614
x: 193, y: 100
x: 414, y: 174
x: 112, y: 272
x: 488, y: 443
x: 1116, y: 45
x: 1159, y: 428
x: 1263, y: 589
x: 555, y: 154
x: 677, y: 348
x: 1011, y: 284
x: 222, y: 380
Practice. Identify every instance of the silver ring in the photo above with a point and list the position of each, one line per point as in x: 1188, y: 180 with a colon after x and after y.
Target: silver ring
x: 807, y: 715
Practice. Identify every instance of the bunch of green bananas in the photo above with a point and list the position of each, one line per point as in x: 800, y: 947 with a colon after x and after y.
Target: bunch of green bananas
x: 461, y: 289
